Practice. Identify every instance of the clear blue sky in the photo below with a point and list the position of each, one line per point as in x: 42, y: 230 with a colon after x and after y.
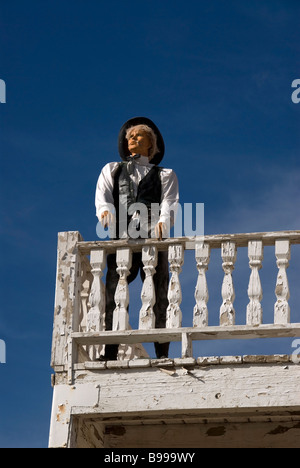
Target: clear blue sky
x: 214, y: 76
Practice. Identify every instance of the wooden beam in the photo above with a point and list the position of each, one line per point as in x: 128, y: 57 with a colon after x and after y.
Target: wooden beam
x: 163, y: 335
x: 215, y: 241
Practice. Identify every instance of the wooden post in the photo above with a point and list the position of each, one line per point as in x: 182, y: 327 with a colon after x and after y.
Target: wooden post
x: 282, y: 291
x: 86, y: 279
x: 227, y: 312
x: 202, y: 253
x: 174, y: 314
x: 121, y: 319
x: 187, y: 345
x: 67, y: 296
x: 96, y: 314
x: 255, y: 293
x: 147, y: 317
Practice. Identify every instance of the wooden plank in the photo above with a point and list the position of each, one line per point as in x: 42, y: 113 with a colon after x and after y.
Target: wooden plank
x: 230, y: 388
x: 163, y: 335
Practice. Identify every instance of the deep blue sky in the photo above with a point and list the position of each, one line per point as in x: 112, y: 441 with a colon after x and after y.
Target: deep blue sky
x: 214, y: 76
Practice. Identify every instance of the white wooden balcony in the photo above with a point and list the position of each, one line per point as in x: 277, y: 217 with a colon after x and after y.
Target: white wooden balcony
x: 79, y: 332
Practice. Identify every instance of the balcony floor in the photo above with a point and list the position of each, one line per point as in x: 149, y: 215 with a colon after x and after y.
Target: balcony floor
x: 233, y: 401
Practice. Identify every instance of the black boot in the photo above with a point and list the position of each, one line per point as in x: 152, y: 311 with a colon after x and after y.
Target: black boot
x: 111, y: 353
x: 162, y: 350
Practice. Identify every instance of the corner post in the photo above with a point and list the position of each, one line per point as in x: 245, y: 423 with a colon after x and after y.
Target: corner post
x: 67, y: 297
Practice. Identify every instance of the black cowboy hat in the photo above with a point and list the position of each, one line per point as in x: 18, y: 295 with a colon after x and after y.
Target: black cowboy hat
x: 123, y: 143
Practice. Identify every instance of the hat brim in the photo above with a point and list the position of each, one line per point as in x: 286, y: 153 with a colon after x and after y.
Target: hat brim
x: 123, y: 143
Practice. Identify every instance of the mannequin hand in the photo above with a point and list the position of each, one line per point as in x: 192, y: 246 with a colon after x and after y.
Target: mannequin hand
x: 106, y: 219
x: 159, y: 230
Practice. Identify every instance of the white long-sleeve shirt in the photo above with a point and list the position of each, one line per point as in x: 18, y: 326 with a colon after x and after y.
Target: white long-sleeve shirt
x: 169, y: 184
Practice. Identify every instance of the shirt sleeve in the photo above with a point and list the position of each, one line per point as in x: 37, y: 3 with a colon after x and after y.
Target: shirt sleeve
x: 104, y: 200
x: 170, y: 197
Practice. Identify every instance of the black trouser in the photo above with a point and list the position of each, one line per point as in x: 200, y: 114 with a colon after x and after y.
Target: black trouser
x: 161, y: 282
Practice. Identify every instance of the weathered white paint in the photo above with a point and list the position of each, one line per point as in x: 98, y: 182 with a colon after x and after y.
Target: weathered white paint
x: 121, y: 318
x: 174, y: 314
x: 215, y: 388
x: 187, y: 345
x: 86, y: 279
x: 227, y: 312
x: 231, y: 389
x: 147, y: 317
x: 67, y: 295
x: 202, y: 254
x: 215, y: 241
x: 185, y: 386
x: 255, y: 293
x: 282, y: 308
x: 65, y: 398
x: 96, y: 313
x: 163, y: 335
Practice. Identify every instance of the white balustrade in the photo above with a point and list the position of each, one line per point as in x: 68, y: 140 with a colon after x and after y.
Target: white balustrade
x: 147, y: 317
x: 174, y: 314
x: 255, y: 293
x: 95, y: 318
x: 227, y: 312
x: 282, y: 291
x: 121, y: 318
x: 96, y: 314
x: 90, y: 324
x: 86, y: 281
x: 202, y: 254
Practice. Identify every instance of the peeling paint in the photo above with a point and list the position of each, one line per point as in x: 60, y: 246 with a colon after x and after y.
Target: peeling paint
x: 61, y: 411
x: 115, y: 430
x: 216, y: 431
x: 282, y: 429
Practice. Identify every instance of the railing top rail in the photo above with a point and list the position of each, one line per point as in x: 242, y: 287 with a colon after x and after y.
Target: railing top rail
x: 175, y: 334
x: 215, y: 241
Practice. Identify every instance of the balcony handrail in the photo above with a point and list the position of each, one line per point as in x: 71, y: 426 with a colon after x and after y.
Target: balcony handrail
x: 214, y: 240
x: 82, y: 320
x: 164, y: 334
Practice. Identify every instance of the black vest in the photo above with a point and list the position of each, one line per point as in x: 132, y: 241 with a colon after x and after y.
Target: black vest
x: 148, y: 192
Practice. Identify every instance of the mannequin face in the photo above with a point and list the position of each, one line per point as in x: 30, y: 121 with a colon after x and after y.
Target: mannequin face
x: 139, y: 142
